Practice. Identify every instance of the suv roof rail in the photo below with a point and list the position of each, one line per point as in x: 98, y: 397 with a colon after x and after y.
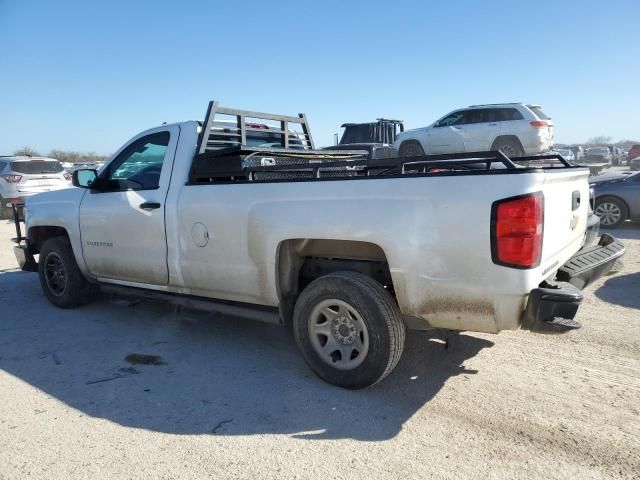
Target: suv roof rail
x: 495, y: 104
x: 210, y: 139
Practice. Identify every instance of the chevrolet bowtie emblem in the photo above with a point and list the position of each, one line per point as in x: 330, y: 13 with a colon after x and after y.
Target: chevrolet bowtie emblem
x: 574, y: 222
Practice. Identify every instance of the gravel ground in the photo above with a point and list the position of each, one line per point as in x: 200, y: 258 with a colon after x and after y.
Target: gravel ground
x: 233, y: 399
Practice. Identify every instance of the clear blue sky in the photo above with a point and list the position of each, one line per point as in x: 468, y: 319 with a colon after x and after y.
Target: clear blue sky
x: 88, y: 75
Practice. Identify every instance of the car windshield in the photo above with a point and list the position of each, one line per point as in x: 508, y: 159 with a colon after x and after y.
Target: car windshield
x: 35, y: 167
x: 358, y: 134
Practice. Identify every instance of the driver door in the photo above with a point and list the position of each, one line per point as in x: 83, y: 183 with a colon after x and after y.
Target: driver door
x: 447, y: 135
x: 122, y: 220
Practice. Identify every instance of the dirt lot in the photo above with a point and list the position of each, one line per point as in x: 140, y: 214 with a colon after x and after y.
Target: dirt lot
x: 233, y: 399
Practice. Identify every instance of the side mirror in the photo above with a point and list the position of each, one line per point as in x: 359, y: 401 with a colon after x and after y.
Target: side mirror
x: 84, y: 178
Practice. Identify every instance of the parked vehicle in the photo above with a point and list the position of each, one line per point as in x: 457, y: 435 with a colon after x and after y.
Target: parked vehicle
x: 617, y: 157
x: 578, y: 152
x: 375, y: 137
x: 617, y: 198
x: 21, y: 177
x: 634, y: 164
x: 632, y: 154
x: 331, y: 243
x: 598, y: 155
x: 566, y: 153
x: 516, y: 129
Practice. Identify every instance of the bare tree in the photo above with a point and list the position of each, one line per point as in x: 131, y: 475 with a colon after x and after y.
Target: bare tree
x: 76, y: 157
x: 600, y: 140
x: 26, y: 152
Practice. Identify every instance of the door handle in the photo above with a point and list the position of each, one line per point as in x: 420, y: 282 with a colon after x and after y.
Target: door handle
x: 149, y: 205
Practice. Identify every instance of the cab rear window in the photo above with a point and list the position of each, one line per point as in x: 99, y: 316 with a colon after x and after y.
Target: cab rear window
x: 35, y: 167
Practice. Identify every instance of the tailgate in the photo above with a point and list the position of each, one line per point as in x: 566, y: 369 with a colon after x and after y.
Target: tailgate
x: 566, y: 209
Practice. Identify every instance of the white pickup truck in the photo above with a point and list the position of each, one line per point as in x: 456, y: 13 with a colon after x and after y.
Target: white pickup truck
x: 351, y: 252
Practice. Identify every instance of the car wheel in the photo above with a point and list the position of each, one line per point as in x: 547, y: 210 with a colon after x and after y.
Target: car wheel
x: 612, y: 212
x: 411, y: 149
x: 349, y: 329
x: 511, y: 148
x: 60, y: 277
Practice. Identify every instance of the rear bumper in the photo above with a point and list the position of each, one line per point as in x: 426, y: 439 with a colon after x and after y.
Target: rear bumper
x: 593, y: 230
x: 552, y: 308
x: 591, y: 263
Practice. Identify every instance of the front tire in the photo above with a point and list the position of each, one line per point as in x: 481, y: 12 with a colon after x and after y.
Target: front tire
x: 60, y: 277
x: 612, y: 212
x: 349, y: 329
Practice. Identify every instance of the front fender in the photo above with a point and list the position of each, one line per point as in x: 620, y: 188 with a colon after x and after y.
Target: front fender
x: 419, y: 135
x: 60, y: 208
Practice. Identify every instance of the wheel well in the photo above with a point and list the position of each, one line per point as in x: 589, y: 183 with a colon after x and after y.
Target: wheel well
x: 506, y: 137
x: 38, y: 235
x: 300, y: 261
x: 412, y: 140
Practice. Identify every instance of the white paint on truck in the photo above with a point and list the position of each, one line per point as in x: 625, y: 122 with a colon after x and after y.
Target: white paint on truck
x: 434, y: 232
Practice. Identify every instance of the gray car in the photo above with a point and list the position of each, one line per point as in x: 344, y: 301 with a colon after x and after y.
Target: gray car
x: 21, y: 177
x: 617, y: 198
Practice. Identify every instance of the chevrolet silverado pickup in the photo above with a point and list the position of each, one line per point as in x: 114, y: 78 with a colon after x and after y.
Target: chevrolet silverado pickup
x: 349, y: 251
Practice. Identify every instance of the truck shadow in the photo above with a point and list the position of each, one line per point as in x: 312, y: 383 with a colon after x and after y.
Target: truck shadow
x: 629, y: 231
x: 222, y: 377
x: 621, y: 290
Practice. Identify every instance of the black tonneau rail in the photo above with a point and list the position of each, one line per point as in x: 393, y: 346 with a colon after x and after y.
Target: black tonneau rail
x: 246, y: 164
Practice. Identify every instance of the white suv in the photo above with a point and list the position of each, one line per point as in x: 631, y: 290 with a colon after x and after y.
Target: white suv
x: 516, y: 129
x: 21, y: 177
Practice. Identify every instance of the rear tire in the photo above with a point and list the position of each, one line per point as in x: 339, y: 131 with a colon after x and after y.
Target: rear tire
x: 411, y: 148
x: 60, y: 277
x: 510, y: 147
x: 612, y: 212
x: 349, y: 329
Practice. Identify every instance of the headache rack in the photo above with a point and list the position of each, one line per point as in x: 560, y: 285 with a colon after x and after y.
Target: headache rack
x: 238, y: 150
x: 227, y: 127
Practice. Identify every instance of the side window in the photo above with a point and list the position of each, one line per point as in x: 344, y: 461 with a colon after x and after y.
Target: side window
x: 515, y: 114
x: 490, y: 115
x: 139, y: 166
x: 475, y: 116
x: 456, y: 118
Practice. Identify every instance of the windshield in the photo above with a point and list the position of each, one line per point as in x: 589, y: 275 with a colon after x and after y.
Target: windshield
x: 35, y: 167
x: 364, y: 133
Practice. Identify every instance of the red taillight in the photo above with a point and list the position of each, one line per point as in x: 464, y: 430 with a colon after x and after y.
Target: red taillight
x: 539, y: 123
x: 11, y: 178
x: 67, y: 176
x: 257, y: 125
x: 516, y: 231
